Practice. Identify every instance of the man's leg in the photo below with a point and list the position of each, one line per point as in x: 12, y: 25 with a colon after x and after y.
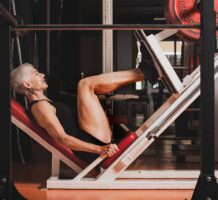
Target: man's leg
x: 91, y: 115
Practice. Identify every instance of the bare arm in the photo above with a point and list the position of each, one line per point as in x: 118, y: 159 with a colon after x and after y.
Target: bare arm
x: 45, y: 116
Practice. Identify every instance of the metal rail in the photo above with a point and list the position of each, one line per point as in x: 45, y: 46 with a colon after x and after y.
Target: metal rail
x: 79, y: 27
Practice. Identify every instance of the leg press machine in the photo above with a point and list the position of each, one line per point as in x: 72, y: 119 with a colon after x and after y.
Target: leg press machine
x: 114, y: 173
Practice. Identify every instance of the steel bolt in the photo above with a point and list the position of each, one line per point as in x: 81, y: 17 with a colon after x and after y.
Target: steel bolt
x: 209, y: 179
x: 3, y: 180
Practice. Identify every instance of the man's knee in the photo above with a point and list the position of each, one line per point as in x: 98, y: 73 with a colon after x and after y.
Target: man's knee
x: 84, y: 84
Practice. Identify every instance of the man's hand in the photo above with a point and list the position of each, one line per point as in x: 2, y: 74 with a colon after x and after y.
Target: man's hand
x: 109, y: 150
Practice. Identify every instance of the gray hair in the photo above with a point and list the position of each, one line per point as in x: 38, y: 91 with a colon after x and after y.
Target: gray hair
x: 18, y: 76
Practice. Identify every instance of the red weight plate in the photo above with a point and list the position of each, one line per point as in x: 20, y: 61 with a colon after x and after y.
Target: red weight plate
x: 185, y: 12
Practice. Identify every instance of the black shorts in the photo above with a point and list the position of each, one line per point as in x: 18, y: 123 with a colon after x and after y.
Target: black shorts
x: 86, y: 156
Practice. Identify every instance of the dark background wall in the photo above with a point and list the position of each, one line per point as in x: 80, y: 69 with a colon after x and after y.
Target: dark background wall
x: 73, y: 52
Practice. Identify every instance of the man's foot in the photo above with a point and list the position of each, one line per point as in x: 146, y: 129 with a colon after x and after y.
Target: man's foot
x: 147, y: 66
x: 149, y: 71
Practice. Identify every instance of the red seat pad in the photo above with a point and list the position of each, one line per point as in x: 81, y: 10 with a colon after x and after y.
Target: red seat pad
x: 20, y: 114
x: 117, y: 119
x: 123, y: 145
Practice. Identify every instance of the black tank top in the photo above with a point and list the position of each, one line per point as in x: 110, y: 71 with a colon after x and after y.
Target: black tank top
x: 67, y: 118
x: 69, y: 121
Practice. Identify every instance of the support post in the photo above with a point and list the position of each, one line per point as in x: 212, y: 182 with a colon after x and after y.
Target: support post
x: 206, y: 188
x: 48, y: 37
x: 107, y: 36
x: 55, y: 166
x: 7, y: 189
x: 5, y: 142
x: 107, y: 44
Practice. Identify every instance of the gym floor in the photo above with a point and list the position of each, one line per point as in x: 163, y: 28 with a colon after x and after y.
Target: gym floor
x: 30, y: 179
